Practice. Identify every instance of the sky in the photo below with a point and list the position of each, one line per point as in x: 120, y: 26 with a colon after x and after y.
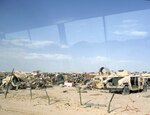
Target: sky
x: 81, y: 45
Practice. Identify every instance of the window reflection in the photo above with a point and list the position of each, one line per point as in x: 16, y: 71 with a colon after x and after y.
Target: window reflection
x: 128, y: 39
x: 87, y: 30
x: 17, y: 35
x: 45, y: 33
x: 81, y: 45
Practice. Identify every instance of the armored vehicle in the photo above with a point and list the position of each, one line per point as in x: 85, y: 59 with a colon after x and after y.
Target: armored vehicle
x: 125, y: 84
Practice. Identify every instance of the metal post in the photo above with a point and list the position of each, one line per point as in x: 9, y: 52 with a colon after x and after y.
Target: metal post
x: 79, y: 88
x: 47, y: 96
x: 110, y: 102
x: 30, y: 91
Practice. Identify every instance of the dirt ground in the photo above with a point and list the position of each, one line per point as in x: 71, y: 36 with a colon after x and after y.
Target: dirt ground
x: 65, y: 101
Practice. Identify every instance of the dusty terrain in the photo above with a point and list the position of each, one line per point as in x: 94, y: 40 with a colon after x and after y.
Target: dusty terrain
x: 65, y: 101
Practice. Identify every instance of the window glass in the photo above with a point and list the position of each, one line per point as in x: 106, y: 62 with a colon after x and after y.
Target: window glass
x: 87, y: 30
x: 49, y: 33
x: 128, y: 39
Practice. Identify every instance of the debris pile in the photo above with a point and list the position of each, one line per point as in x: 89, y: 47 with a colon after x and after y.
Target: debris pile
x: 23, y: 80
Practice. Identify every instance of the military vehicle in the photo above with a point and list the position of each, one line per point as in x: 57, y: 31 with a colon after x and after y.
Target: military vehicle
x: 98, y: 80
x: 125, y: 84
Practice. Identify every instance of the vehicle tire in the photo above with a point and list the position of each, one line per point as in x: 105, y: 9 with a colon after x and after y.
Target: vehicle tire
x: 126, y: 90
x: 145, y: 88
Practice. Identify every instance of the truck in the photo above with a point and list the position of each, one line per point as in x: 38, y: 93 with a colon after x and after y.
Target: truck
x: 126, y: 84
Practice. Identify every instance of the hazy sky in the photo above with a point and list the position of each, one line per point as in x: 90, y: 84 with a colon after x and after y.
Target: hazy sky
x: 85, y: 49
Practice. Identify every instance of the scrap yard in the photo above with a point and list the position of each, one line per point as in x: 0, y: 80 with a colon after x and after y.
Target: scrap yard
x: 72, y: 93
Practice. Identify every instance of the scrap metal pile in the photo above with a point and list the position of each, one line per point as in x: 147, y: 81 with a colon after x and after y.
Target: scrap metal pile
x: 35, y: 80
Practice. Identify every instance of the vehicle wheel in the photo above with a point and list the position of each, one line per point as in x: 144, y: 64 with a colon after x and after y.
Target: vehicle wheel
x: 145, y: 88
x: 126, y: 90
